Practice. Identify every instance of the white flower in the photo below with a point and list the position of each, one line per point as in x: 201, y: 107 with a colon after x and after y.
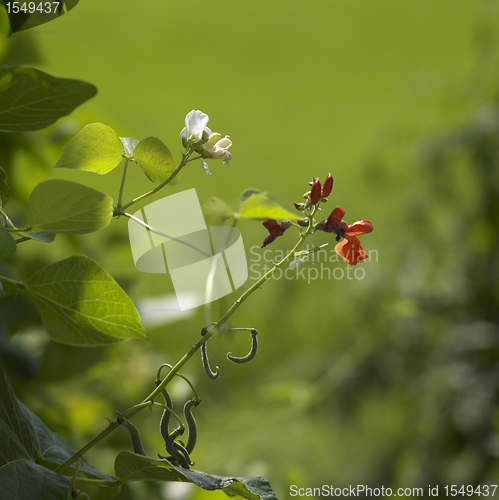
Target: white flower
x: 207, y: 143
x: 216, y: 148
x: 195, y: 126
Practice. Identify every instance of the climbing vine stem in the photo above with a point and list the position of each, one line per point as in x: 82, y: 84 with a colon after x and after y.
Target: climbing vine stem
x: 208, y: 333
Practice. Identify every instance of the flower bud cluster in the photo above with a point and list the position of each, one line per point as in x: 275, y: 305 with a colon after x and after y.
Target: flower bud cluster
x: 317, y: 193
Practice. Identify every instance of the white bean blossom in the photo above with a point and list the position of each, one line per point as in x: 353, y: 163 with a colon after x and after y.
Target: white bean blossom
x: 210, y: 145
x: 195, y: 126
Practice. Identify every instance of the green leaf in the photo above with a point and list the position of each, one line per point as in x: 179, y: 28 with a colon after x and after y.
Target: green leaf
x: 4, y: 189
x: 31, y: 99
x: 8, y: 245
x: 156, y: 160
x: 43, y: 236
x: 247, y: 193
x: 216, y: 211
x: 81, y: 304
x: 26, y: 439
x: 61, y: 206
x: 134, y: 467
x: 260, y: 206
x: 8, y: 288
x: 27, y: 480
x: 17, y: 432
x: 95, y: 148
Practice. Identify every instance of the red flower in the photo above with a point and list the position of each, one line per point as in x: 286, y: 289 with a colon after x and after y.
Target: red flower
x: 328, y: 185
x: 349, y: 248
x: 315, y: 192
x: 275, y: 230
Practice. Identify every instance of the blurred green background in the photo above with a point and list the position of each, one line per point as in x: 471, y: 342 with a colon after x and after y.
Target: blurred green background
x: 387, y: 380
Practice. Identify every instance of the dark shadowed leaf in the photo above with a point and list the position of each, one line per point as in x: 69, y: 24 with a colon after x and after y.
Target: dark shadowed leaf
x: 26, y: 444
x: 7, y: 244
x: 4, y: 189
x: 134, y: 467
x: 25, y: 480
x: 32, y: 100
x: 43, y: 236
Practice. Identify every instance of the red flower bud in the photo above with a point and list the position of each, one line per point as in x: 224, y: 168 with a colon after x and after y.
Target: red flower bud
x: 315, y: 192
x: 328, y: 185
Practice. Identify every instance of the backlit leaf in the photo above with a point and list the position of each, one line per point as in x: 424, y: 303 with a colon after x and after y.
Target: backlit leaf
x: 96, y: 148
x: 260, y: 206
x: 81, y: 304
x: 61, y: 206
x: 156, y: 160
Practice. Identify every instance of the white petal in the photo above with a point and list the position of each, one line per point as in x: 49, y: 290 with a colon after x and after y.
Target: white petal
x: 205, y: 167
x: 214, y: 138
x: 195, y: 123
x: 224, y: 143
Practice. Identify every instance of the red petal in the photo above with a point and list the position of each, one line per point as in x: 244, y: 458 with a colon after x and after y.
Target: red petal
x: 360, y: 227
x: 335, y: 218
x: 269, y: 239
x: 315, y: 192
x: 274, y: 228
x: 328, y: 185
x: 349, y: 248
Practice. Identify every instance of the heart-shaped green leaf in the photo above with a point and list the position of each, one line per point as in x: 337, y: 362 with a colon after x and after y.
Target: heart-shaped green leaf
x: 95, y: 148
x: 81, y: 304
x: 61, y: 206
x: 31, y: 99
x: 216, y: 211
x: 26, y: 444
x: 24, y: 479
x: 156, y: 160
x: 260, y: 206
x: 135, y: 467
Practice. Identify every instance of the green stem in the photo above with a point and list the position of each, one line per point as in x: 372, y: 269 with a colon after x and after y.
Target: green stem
x: 182, y: 164
x: 120, y: 195
x: 209, y: 333
x: 97, y: 482
x: 19, y: 284
x: 110, y: 428
x: 13, y: 229
x: 147, y: 226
